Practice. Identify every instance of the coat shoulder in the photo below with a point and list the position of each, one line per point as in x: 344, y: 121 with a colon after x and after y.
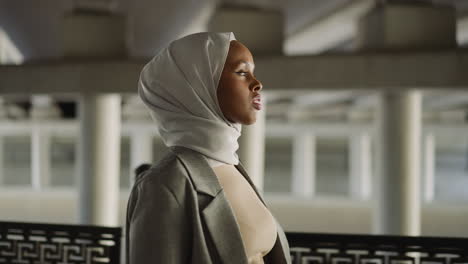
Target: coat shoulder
x: 169, y: 172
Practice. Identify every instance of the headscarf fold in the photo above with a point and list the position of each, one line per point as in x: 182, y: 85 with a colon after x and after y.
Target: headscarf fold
x: 179, y: 88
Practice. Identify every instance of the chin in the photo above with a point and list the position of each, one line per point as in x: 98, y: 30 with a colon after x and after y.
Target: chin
x: 245, y: 118
x: 250, y: 120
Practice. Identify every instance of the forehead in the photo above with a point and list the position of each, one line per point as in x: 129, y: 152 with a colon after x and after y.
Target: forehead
x: 238, y: 53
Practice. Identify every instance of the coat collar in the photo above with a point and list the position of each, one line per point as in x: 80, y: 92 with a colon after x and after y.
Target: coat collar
x: 204, y: 179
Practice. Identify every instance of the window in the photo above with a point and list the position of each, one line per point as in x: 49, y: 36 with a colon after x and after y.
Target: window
x: 278, y: 164
x: 63, y: 161
x: 332, y: 166
x: 17, y: 160
x: 125, y: 171
x: 451, y: 169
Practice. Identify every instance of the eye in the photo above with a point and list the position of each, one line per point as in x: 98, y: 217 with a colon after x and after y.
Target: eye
x: 242, y: 73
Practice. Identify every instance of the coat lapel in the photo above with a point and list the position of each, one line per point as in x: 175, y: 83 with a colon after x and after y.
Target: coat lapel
x: 244, y: 173
x: 218, y: 215
x: 203, y: 177
x: 224, y: 231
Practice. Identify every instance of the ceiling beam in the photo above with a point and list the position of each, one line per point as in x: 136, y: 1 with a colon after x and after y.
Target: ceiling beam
x: 70, y: 77
x: 279, y: 74
x: 365, y: 71
x: 320, y: 99
x: 329, y: 31
x: 447, y: 101
x: 340, y: 26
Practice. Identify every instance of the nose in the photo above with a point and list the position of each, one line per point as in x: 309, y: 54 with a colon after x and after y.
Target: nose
x: 257, y: 85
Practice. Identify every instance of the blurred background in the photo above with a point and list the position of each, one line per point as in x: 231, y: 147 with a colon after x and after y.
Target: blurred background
x: 364, y: 130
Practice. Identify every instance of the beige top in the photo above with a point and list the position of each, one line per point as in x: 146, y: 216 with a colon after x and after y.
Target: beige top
x: 257, y: 225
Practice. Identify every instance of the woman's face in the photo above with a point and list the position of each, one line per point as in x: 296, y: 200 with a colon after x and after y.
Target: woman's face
x: 238, y: 89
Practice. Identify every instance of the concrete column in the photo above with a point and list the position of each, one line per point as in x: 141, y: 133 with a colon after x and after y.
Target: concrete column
x: 100, y: 157
x: 398, y: 200
x: 429, y: 167
x: 40, y: 157
x: 141, y: 151
x: 248, y: 25
x: 304, y: 160
x: 97, y: 35
x: 2, y: 163
x: 3, y: 108
x: 42, y: 109
x: 3, y: 116
x: 252, y: 149
x: 77, y: 166
x: 399, y: 26
x: 360, y: 165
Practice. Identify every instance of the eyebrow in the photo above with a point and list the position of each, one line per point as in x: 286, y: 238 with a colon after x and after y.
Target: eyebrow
x: 247, y: 63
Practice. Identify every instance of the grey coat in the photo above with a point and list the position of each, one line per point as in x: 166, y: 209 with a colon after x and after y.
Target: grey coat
x: 178, y: 213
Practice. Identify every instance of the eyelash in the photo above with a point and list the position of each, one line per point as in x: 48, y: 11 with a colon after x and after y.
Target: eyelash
x: 242, y: 73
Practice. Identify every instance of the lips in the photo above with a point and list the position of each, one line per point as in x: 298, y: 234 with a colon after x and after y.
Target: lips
x: 257, y: 102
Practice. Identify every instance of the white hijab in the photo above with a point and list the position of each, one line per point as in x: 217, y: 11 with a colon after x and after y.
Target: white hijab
x: 179, y: 87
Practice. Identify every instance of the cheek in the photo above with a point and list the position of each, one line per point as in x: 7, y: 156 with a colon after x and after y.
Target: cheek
x: 225, y: 97
x: 238, y: 97
x: 233, y: 97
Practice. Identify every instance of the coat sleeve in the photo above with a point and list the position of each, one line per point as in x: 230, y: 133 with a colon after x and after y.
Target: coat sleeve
x: 157, y: 226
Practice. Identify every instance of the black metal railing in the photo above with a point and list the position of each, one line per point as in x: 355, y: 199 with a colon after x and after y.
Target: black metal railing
x: 376, y: 249
x: 53, y: 244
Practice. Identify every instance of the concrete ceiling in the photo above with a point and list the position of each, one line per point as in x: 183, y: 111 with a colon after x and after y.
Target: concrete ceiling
x: 35, y: 28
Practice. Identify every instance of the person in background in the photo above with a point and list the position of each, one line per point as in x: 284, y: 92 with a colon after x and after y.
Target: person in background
x: 140, y: 169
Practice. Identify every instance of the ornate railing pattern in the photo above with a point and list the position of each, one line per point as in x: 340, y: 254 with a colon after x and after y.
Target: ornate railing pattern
x: 62, y: 244
x: 30, y: 243
x: 376, y: 249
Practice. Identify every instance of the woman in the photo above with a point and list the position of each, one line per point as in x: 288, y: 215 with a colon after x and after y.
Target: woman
x: 197, y: 204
